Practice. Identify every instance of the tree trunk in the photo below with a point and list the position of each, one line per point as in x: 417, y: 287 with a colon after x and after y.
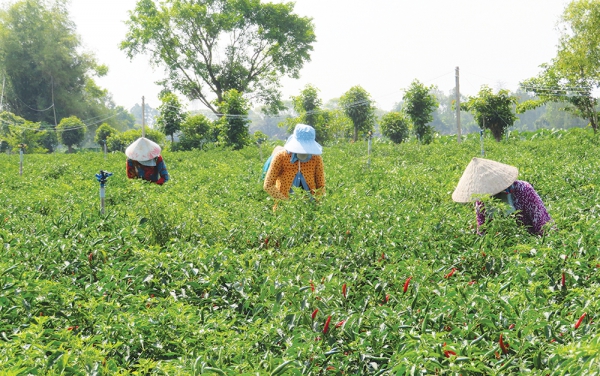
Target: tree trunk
x: 355, y: 133
x: 70, y: 149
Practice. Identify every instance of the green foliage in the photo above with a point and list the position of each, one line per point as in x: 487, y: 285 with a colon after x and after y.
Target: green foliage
x: 233, y: 125
x: 573, y: 75
x: 213, y: 46
x: 196, y: 130
x: 396, y: 126
x: 171, y: 114
x: 103, y: 132
x: 200, y: 276
x: 492, y: 111
x: 419, y: 104
x: 71, y: 132
x: 48, y: 139
x: 359, y: 107
x: 47, y: 76
x: 15, y: 131
x: 120, y: 141
x: 308, y: 106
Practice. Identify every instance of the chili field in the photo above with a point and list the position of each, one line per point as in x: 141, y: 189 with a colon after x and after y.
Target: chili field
x: 385, y: 275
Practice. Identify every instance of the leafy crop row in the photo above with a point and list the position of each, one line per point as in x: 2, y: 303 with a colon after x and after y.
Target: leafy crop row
x: 385, y: 275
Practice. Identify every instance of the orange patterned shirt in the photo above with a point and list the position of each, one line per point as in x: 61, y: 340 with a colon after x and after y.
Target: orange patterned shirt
x: 281, y: 175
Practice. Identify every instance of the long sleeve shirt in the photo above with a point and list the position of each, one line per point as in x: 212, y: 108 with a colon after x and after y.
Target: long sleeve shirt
x: 531, y: 211
x: 157, y: 174
x: 282, y: 172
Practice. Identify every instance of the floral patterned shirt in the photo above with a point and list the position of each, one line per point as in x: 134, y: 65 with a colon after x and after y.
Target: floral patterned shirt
x: 531, y: 210
x: 282, y: 172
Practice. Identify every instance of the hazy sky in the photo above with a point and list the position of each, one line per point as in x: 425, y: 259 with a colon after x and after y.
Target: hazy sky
x: 381, y: 45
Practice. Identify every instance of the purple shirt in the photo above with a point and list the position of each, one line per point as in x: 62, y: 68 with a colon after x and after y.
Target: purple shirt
x: 531, y: 210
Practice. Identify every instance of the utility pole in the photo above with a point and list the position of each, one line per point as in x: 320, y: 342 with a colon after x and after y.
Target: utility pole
x: 2, y: 96
x: 143, y: 117
x: 458, y: 133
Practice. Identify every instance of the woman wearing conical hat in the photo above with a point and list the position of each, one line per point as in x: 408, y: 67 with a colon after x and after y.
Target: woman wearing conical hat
x: 298, y: 164
x: 145, y: 162
x: 484, y: 176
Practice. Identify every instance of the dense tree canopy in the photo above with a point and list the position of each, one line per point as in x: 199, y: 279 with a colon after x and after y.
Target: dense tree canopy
x: 71, y: 132
x: 573, y: 75
x: 359, y: 107
x: 208, y: 47
x: 171, y: 114
x: 419, y: 104
x: 492, y: 111
x: 47, y: 77
x: 233, y: 125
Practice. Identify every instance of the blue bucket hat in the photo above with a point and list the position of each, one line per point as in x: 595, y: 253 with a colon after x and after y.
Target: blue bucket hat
x: 302, y: 141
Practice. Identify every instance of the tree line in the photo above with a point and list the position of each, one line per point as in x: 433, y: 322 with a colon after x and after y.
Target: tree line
x: 231, y: 56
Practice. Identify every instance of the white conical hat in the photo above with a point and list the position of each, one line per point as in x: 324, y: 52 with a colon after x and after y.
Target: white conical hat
x: 483, y: 176
x: 142, y: 149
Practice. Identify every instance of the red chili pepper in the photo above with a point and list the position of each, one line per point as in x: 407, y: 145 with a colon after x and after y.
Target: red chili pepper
x: 90, y: 257
x: 382, y: 256
x: 312, y: 286
x: 344, y: 290
x: 326, y: 327
x: 448, y: 353
x: 511, y: 326
x: 563, y: 280
x: 406, y: 284
x: 340, y: 323
x: 450, y: 274
x: 472, y: 283
x: 314, y: 314
x: 580, y: 320
x: 503, y: 346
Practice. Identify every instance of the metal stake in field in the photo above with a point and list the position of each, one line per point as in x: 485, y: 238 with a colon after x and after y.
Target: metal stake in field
x: 101, y: 177
x: 481, y: 141
x: 370, y: 136
x: 21, y: 147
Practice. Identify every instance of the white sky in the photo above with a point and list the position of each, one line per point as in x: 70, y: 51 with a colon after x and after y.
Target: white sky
x: 381, y: 45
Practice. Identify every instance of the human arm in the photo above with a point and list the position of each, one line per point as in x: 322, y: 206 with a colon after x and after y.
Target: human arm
x: 162, y: 171
x: 319, y: 177
x: 480, y: 214
x: 131, y: 169
x: 273, y: 174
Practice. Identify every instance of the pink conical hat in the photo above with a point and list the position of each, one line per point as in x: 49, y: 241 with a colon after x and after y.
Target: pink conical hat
x: 142, y: 149
x: 484, y: 176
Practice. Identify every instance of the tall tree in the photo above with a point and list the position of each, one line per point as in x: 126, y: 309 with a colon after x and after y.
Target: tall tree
x: 171, y: 114
x: 233, y: 125
x: 47, y: 77
x: 573, y: 75
x: 209, y: 47
x: 395, y: 125
x: 359, y: 107
x: 308, y: 107
x: 492, y: 111
x: 419, y: 104
x: 71, y: 132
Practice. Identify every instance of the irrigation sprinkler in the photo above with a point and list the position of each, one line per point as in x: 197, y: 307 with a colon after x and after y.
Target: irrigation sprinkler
x: 481, y: 141
x: 21, y: 148
x: 101, y: 177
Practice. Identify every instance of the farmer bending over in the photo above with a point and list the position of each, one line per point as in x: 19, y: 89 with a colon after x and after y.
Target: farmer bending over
x: 145, y: 162
x: 484, y: 176
x: 299, y: 165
